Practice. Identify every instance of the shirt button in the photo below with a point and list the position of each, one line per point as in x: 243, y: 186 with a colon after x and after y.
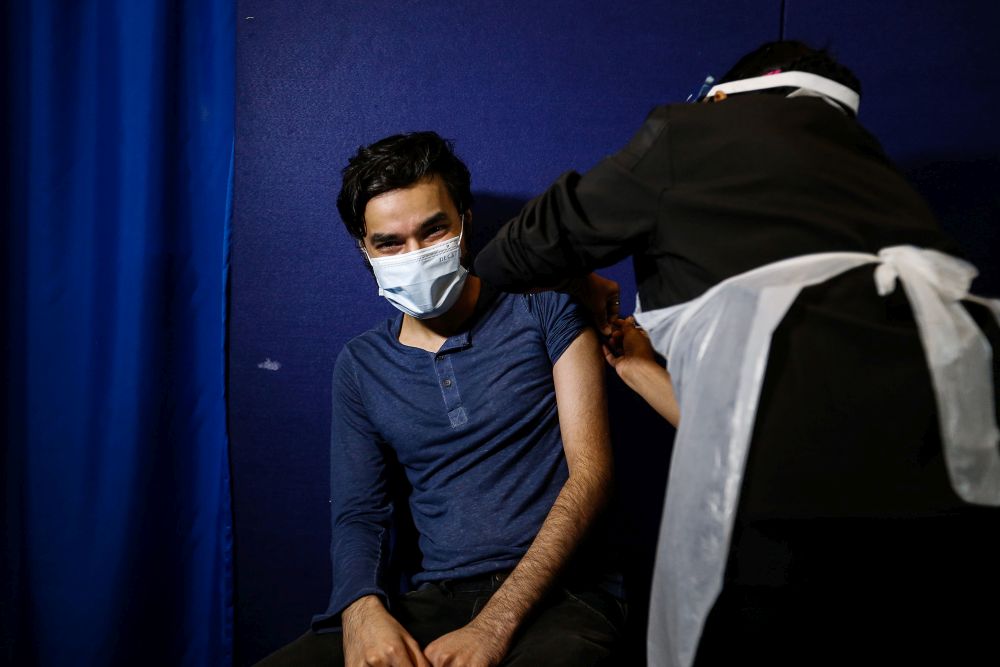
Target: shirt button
x: 447, y: 383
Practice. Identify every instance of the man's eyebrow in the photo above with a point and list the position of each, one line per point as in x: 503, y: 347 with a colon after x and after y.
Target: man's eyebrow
x: 378, y: 237
x: 436, y: 219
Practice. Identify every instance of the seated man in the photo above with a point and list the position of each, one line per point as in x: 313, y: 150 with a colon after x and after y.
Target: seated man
x: 462, y: 391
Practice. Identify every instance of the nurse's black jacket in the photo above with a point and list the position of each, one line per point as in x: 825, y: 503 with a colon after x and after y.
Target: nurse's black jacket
x: 846, y: 511
x: 706, y: 191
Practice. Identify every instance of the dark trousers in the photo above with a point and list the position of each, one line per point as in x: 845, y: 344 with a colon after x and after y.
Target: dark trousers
x: 571, y: 627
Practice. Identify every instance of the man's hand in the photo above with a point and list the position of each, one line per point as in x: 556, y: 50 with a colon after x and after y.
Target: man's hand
x: 598, y: 295
x: 373, y: 638
x: 470, y: 646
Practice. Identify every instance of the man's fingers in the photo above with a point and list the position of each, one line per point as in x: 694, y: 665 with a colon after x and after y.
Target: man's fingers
x: 416, y: 655
x: 432, y: 654
x: 406, y: 653
x: 391, y: 656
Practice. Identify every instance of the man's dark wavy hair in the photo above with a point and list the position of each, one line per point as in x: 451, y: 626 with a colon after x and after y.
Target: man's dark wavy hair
x: 398, y: 162
x: 790, y: 55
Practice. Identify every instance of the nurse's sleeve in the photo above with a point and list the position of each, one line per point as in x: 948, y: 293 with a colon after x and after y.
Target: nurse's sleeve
x: 584, y: 222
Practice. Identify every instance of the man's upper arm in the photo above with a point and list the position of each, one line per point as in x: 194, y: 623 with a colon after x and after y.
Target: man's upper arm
x: 578, y: 376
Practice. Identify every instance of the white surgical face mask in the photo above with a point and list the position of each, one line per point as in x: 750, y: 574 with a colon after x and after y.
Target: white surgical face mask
x: 424, y: 283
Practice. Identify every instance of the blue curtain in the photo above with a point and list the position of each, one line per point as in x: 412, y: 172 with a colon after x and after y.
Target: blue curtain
x: 118, y: 143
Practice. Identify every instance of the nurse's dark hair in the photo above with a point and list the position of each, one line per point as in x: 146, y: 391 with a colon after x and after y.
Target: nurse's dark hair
x: 398, y: 162
x: 790, y: 55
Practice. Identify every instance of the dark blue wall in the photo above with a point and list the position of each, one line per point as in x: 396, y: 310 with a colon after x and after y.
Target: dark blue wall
x: 526, y: 91
x: 931, y: 77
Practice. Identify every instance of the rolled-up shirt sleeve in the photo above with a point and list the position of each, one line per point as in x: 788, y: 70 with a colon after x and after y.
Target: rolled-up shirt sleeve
x: 360, y: 503
x: 559, y: 318
x: 582, y: 222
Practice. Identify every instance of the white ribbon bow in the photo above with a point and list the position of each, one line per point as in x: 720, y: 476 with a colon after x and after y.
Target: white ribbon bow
x: 960, y: 362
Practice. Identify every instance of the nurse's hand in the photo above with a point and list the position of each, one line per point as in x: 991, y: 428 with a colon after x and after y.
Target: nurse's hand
x: 598, y: 295
x: 629, y: 351
x: 628, y: 347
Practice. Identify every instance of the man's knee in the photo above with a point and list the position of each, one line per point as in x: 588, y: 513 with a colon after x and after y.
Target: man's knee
x: 577, y: 629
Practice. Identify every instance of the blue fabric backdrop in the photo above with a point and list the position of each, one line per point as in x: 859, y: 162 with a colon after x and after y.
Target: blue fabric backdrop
x: 119, y: 142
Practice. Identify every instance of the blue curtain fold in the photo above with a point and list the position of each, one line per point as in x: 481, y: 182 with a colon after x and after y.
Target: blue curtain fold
x: 119, y: 143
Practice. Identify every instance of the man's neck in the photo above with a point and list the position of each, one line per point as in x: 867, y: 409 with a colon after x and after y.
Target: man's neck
x: 431, y: 334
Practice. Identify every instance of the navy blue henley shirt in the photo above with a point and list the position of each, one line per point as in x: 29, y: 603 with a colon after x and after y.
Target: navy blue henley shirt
x: 475, y: 429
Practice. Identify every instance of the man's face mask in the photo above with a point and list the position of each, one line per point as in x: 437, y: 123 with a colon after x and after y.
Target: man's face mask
x: 424, y: 283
